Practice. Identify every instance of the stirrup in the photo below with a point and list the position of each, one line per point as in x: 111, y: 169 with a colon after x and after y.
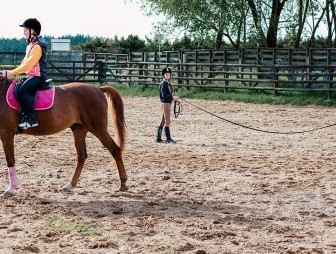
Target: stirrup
x: 26, y: 125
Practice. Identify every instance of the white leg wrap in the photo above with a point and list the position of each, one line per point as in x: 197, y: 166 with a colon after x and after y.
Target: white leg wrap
x: 68, y: 187
x: 13, y: 181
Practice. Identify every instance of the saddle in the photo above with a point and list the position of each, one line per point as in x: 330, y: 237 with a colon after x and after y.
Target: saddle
x: 44, y: 98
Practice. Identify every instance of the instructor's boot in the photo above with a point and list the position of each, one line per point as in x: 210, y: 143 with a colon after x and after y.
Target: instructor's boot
x: 159, y: 134
x: 169, y: 139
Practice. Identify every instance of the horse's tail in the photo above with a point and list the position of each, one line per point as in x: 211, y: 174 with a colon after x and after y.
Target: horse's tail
x: 118, y: 116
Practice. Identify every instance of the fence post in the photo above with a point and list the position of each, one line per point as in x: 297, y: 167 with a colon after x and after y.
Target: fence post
x: 226, y: 69
x: 309, y: 63
x: 330, y: 74
x: 141, y: 65
x: 145, y: 66
x: 240, y: 62
x: 210, y: 60
x: 101, y: 71
x: 331, y: 83
x: 275, y: 74
x: 73, y: 70
x: 185, y: 69
x: 275, y: 79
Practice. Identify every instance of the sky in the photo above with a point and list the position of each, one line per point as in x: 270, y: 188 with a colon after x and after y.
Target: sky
x: 102, y: 18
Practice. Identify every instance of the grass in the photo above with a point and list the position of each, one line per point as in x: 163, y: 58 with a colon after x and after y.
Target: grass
x: 65, y: 225
x: 259, y: 97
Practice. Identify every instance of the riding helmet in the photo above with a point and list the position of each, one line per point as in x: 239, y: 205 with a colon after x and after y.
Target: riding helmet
x: 33, y: 24
x: 166, y: 70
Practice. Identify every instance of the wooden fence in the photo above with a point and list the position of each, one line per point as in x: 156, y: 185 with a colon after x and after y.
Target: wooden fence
x: 251, y: 69
x: 263, y: 56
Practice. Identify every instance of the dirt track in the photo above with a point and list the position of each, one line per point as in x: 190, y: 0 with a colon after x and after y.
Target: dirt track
x: 220, y: 189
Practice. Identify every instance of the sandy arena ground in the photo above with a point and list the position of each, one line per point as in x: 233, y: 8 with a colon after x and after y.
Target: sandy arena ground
x: 220, y: 189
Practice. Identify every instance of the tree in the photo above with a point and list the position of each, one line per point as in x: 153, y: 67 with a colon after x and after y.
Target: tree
x: 13, y: 45
x: 97, y: 45
x: 243, y: 22
x: 231, y: 20
x: 268, y: 12
x: 303, y: 6
x: 131, y: 43
x: 331, y: 22
x: 315, y: 21
x: 217, y: 19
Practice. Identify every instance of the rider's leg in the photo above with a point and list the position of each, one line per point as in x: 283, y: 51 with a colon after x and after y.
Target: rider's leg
x: 31, y: 119
x: 26, y: 95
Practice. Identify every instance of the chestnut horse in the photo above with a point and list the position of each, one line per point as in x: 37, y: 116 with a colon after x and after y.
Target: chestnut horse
x: 81, y: 107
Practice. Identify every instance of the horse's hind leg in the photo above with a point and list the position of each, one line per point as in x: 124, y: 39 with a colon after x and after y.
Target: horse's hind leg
x: 79, y: 133
x: 116, y: 152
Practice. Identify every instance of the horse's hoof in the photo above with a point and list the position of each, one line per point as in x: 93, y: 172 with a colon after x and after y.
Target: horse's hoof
x: 9, y: 193
x: 123, y: 188
x: 67, y: 188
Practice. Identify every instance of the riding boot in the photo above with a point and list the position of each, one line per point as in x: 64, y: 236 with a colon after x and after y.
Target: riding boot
x: 31, y: 120
x: 159, y: 134
x: 169, y: 139
x: 21, y: 119
x: 22, y: 115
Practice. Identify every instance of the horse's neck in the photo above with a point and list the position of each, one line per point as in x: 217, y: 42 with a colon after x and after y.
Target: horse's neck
x: 4, y: 85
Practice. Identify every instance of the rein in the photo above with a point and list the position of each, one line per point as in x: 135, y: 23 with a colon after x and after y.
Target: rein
x: 256, y: 129
x: 4, y: 84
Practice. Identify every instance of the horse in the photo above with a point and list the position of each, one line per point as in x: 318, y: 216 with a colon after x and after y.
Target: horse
x: 81, y: 107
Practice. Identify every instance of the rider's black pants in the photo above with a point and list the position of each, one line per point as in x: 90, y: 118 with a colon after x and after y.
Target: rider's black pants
x: 27, y: 92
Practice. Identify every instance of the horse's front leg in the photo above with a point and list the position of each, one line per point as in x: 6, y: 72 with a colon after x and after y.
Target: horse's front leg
x: 7, y: 139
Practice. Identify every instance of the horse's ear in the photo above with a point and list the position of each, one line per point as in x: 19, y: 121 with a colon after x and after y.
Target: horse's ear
x: 1, y: 75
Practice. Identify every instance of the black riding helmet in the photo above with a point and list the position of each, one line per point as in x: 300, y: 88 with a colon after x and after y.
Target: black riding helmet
x: 32, y: 23
x: 166, y: 70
